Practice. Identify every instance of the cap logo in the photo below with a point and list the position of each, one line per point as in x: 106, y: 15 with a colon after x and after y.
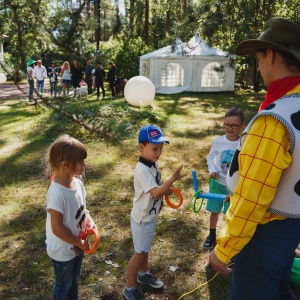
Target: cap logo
x: 153, y: 133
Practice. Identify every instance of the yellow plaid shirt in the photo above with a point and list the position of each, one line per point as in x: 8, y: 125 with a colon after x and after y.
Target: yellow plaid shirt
x: 262, y: 160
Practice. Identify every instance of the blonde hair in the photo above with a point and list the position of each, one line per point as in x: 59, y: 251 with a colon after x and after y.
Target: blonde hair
x: 64, y: 148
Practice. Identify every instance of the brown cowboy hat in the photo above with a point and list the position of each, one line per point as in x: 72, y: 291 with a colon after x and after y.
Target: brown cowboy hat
x: 277, y: 34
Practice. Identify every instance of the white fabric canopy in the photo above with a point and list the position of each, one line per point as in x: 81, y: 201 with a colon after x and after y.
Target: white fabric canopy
x: 188, y: 67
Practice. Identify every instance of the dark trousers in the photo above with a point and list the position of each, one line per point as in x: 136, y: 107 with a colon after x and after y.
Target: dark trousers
x: 66, y: 278
x: 98, y: 86
x: 31, y: 88
x: 89, y: 82
x: 262, y: 270
x: 111, y: 85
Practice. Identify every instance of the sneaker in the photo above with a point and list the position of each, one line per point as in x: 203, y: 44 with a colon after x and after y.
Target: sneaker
x: 150, y: 280
x: 133, y: 294
x: 209, y: 242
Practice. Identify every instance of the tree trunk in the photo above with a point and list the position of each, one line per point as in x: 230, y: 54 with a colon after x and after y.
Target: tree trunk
x: 168, y: 21
x: 147, y: 36
x: 178, y: 10
x: 131, y: 16
x: 20, y: 39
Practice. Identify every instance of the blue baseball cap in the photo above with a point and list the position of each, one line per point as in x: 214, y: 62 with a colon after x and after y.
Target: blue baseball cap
x: 152, y: 134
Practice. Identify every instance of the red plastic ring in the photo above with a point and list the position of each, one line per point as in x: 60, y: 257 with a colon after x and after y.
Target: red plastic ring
x: 180, y: 197
x: 96, y: 241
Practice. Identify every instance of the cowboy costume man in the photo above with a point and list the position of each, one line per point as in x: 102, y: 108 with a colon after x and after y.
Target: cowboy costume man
x: 263, y: 221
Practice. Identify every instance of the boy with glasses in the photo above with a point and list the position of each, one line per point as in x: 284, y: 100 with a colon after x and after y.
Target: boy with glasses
x: 218, y: 160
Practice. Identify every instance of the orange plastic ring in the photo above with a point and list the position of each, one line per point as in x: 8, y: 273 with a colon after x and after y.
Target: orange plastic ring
x: 180, y: 197
x: 96, y: 241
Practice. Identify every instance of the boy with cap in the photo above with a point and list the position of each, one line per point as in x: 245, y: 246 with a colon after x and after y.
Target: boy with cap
x: 147, y: 204
x: 263, y: 220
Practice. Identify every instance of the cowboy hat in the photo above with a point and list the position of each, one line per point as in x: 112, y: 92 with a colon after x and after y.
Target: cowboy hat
x: 277, y: 34
x: 30, y: 62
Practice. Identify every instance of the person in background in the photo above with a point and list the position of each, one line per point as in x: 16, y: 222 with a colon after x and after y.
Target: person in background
x: 111, y: 77
x: 88, y: 76
x: 218, y: 161
x: 66, y: 77
x: 263, y: 221
x: 99, y: 77
x: 40, y: 73
x: 30, y: 77
x: 147, y: 203
x: 76, y: 73
x: 53, y: 77
x: 67, y: 215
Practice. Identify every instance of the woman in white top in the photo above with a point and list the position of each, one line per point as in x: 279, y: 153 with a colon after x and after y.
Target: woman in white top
x: 66, y: 76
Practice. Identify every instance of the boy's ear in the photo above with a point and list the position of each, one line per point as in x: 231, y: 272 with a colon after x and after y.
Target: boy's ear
x: 141, y: 147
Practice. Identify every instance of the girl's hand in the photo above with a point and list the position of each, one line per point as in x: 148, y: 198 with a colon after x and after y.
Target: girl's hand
x: 84, y: 245
x: 88, y: 223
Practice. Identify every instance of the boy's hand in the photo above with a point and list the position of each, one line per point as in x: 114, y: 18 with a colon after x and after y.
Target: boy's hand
x: 177, y: 175
x: 169, y: 192
x: 213, y: 175
x: 227, y: 198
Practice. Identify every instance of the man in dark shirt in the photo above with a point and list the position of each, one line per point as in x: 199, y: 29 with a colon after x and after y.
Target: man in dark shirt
x: 76, y: 72
x: 88, y: 76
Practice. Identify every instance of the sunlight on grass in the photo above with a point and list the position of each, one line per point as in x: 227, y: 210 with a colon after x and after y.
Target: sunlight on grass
x: 190, y: 121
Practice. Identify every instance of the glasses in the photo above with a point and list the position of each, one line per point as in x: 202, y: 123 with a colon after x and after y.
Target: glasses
x: 231, y: 126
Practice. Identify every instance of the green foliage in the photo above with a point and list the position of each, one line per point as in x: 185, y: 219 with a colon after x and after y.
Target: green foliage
x: 128, y: 57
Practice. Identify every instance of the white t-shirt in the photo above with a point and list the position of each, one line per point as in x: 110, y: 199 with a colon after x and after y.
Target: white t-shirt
x: 40, y: 72
x: 66, y: 75
x: 29, y: 69
x: 145, y: 207
x: 72, y: 204
x: 220, y: 157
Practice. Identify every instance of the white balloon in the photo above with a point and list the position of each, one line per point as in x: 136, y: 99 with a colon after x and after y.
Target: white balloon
x: 139, y: 91
x: 2, y: 78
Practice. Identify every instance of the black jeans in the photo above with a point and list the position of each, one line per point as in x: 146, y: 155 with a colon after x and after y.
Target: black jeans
x: 111, y: 85
x: 98, y: 86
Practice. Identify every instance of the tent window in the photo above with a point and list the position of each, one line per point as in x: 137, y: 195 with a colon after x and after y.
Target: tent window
x: 144, y: 70
x: 172, y: 75
x: 212, y: 78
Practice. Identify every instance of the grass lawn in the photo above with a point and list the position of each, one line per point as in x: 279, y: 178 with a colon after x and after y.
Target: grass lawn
x: 191, y: 121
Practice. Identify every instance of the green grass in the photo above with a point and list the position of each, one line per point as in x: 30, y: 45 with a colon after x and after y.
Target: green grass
x: 191, y: 121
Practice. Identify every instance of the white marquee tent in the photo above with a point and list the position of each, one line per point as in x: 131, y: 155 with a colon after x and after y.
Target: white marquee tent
x: 188, y: 67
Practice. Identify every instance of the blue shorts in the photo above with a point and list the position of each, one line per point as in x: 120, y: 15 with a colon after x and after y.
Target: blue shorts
x: 217, y: 206
x: 66, y: 81
x: 142, y: 235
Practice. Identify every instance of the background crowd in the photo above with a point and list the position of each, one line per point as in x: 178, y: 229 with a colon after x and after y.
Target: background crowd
x: 71, y: 76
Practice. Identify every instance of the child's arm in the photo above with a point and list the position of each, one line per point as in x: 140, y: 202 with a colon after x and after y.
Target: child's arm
x: 65, y: 233
x: 212, y: 170
x: 163, y: 189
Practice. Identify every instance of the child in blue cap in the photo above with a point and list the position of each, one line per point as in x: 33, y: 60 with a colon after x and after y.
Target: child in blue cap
x: 147, y: 204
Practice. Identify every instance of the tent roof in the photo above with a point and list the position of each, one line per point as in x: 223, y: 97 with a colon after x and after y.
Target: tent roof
x: 196, y: 46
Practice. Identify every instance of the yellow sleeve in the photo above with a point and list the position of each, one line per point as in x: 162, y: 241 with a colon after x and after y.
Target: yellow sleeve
x: 262, y: 160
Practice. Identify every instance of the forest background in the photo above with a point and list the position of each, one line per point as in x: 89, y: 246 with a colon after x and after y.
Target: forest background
x: 123, y: 30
